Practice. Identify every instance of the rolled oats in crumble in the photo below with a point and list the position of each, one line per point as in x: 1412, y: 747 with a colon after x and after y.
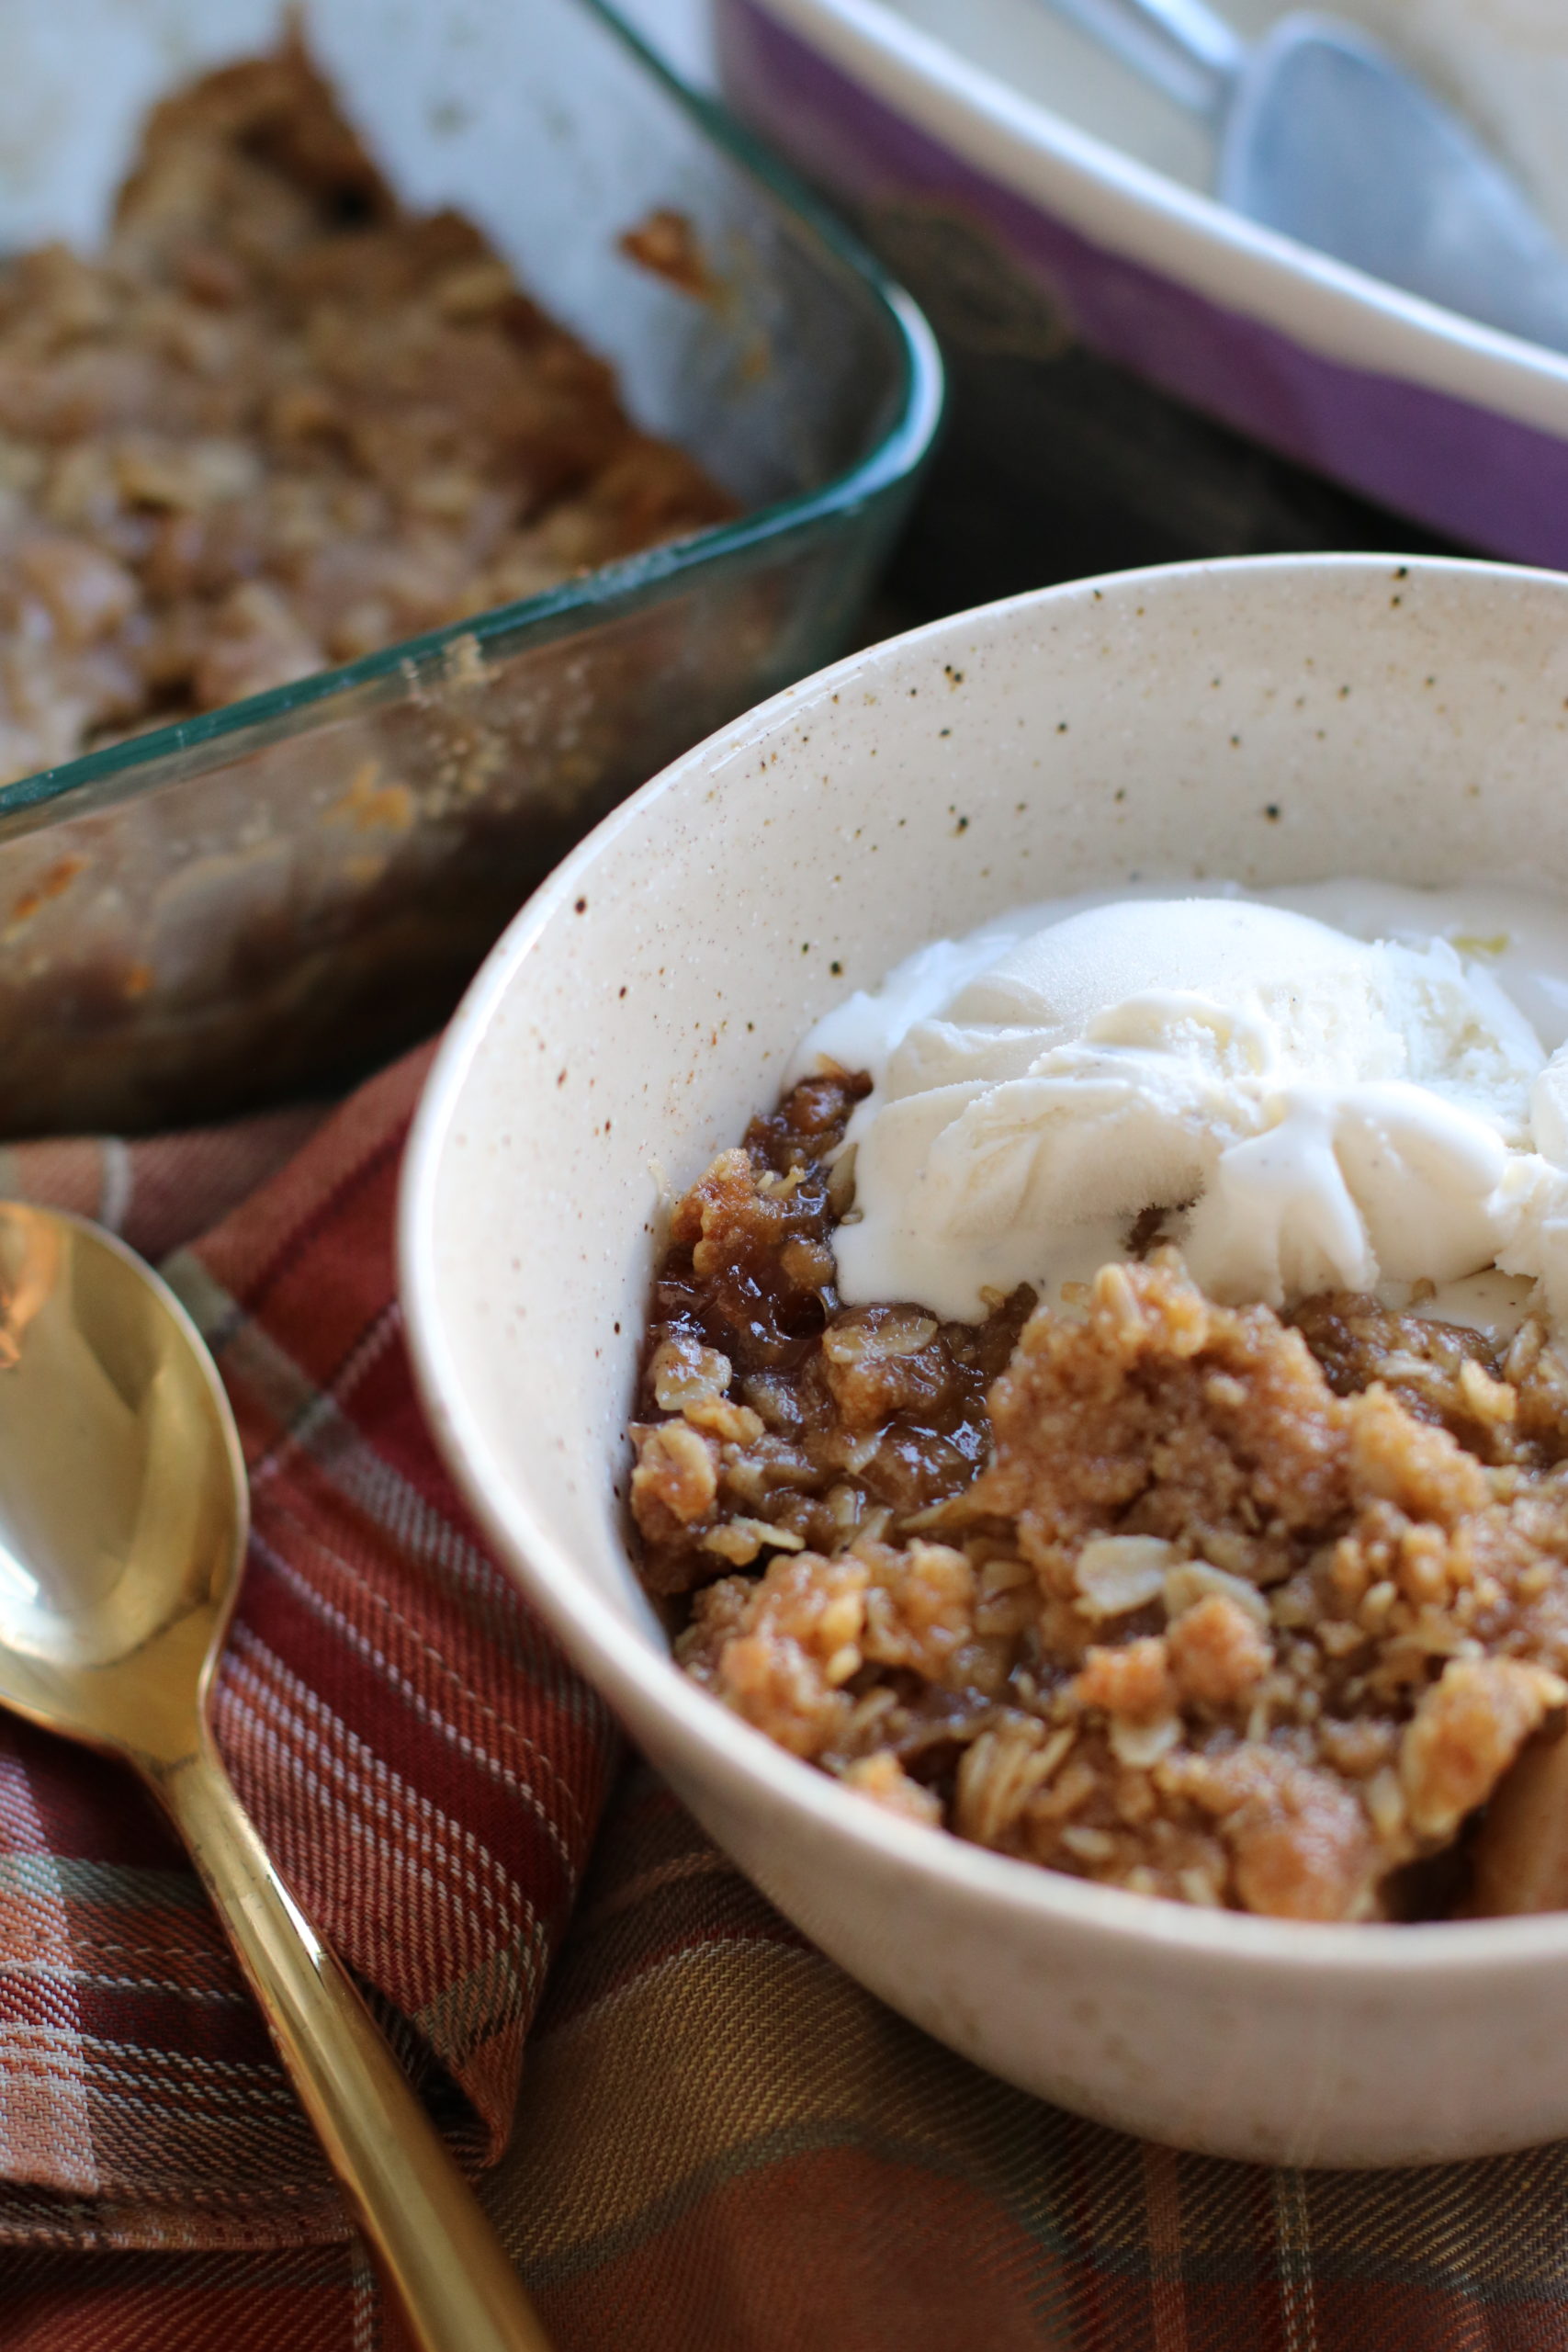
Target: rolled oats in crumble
x: 279, y: 423
x: 1248, y: 1609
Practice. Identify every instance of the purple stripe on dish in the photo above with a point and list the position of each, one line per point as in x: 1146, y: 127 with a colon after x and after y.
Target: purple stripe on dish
x: 1466, y: 470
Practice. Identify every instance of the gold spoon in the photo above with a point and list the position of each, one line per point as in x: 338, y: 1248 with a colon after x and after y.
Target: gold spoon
x: 123, y: 1517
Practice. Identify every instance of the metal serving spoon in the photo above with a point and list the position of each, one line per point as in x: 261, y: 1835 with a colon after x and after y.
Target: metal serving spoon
x: 1322, y: 136
x: 123, y: 1517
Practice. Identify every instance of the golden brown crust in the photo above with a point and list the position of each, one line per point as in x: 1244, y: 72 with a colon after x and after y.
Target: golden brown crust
x: 279, y: 424
x: 1200, y: 1621
x: 1162, y: 1414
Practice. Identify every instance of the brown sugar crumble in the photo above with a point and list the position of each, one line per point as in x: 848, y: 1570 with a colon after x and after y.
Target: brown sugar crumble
x: 1189, y: 1599
x: 666, y: 244
x: 277, y: 423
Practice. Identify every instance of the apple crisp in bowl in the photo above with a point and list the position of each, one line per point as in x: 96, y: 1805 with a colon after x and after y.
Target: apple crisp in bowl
x: 1183, y: 1597
x: 1254, y: 1594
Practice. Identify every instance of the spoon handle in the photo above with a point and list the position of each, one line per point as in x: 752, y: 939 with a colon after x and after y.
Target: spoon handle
x: 1181, y: 46
x: 459, y: 2290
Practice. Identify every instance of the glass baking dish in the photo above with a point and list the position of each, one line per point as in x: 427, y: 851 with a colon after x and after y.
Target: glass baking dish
x: 260, y: 901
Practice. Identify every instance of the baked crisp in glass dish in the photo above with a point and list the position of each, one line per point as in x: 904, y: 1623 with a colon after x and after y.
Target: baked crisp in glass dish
x: 214, y: 907
x: 280, y: 423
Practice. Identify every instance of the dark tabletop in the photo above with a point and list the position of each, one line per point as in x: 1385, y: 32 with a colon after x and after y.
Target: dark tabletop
x: 1054, y: 467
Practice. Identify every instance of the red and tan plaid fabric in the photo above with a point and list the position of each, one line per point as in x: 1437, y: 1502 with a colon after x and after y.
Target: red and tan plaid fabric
x: 422, y: 1764
x: 717, y: 2141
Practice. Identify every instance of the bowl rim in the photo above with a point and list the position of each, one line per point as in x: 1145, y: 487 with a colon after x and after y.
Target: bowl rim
x: 911, y: 416
x: 637, y: 1677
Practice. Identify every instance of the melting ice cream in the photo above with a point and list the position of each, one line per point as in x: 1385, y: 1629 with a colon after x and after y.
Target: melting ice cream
x: 1299, y: 1107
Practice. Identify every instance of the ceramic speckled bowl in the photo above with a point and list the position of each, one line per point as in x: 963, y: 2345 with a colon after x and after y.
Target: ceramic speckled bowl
x: 1275, y: 720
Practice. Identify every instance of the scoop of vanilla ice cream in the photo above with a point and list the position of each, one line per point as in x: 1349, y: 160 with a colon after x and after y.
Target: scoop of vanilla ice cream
x: 1308, y: 1110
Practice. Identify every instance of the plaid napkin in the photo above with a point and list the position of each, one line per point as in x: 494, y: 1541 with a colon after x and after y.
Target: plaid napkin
x: 718, y: 2141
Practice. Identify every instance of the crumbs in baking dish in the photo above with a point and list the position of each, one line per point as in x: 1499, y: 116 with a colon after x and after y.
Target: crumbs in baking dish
x: 278, y: 422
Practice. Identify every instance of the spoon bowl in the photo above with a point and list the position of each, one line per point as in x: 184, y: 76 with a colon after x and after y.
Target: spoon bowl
x: 123, y: 1522
x: 1324, y: 137
x: 123, y: 1507
x: 1331, y: 142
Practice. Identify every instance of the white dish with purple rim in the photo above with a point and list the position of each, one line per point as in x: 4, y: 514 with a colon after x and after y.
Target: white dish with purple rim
x: 1097, y: 202
x: 1278, y: 720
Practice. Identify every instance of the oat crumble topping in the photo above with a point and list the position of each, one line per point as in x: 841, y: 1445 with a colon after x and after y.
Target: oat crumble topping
x: 1189, y: 1599
x: 279, y: 424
